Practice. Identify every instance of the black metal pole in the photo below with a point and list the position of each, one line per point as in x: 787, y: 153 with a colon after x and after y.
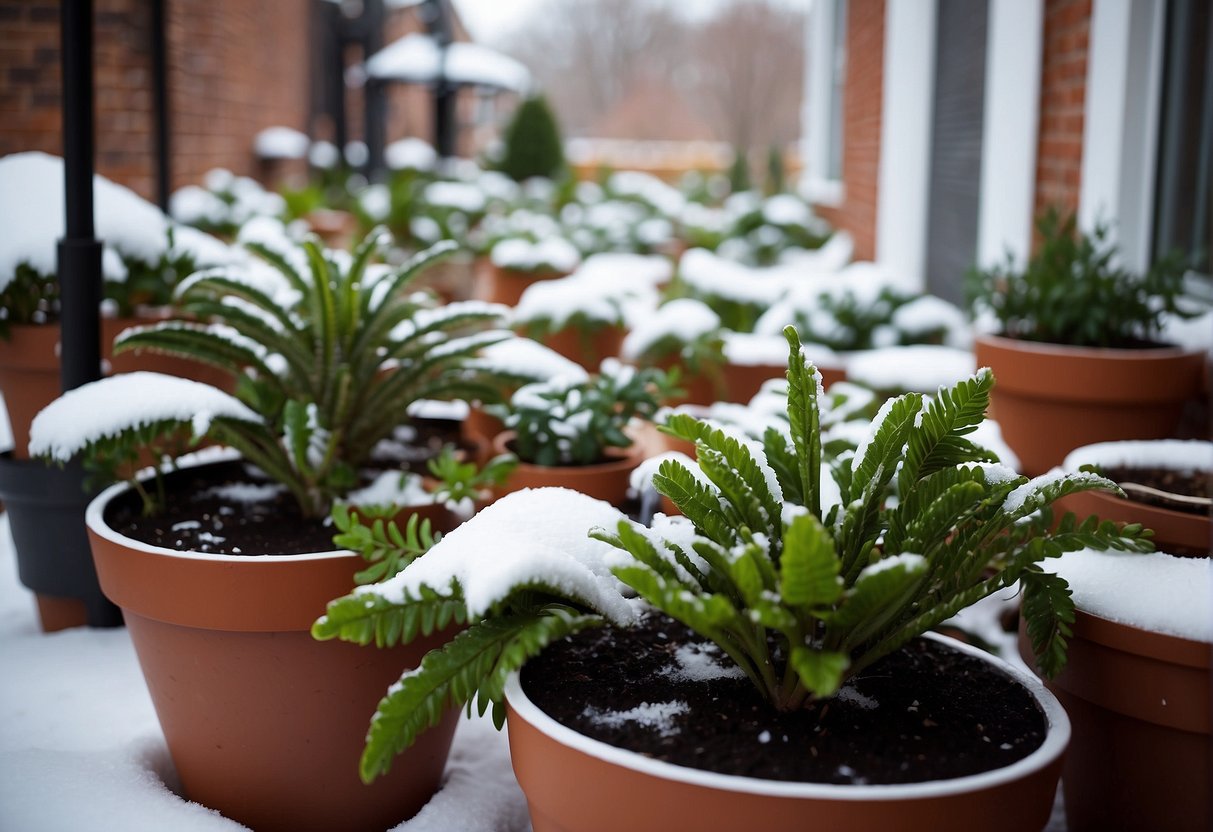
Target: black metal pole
x: 445, y: 93
x: 374, y: 94
x: 335, y: 40
x: 160, y: 103
x: 79, y: 251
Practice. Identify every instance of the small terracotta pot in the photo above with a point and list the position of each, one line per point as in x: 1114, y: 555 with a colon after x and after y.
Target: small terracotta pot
x: 1141, y: 753
x: 698, y: 388
x: 1050, y: 399
x: 604, y: 481
x: 336, y: 229
x: 263, y: 723
x: 498, y: 285
x: 29, y: 369
x: 479, y: 429
x: 586, y: 348
x: 576, y: 784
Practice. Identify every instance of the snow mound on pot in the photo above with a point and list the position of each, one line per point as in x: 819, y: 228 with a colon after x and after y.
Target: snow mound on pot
x: 1157, y: 592
x: 32, y: 216
x: 112, y: 405
x: 683, y: 319
x: 534, y: 536
x: 1168, y: 454
x: 526, y: 358
x: 916, y: 369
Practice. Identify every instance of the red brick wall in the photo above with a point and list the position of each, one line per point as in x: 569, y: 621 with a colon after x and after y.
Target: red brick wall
x: 235, y: 67
x: 862, y: 97
x: 1063, y: 82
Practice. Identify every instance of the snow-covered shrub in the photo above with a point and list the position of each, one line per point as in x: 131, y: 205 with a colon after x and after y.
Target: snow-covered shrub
x: 144, y: 255
x: 547, y: 256
x: 327, y: 350
x: 801, y: 598
x: 569, y: 421
x: 738, y: 294
x: 683, y: 331
x: 586, y: 303
x: 224, y: 202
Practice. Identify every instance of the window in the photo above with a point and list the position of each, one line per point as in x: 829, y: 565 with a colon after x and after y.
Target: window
x: 1183, y: 214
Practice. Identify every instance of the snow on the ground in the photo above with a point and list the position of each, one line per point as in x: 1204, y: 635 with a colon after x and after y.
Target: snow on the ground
x: 80, y: 747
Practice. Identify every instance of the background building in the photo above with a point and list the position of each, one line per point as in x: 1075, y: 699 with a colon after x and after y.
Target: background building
x: 936, y: 129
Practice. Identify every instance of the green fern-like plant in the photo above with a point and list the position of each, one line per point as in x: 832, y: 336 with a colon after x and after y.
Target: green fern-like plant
x: 799, y: 594
x: 327, y: 349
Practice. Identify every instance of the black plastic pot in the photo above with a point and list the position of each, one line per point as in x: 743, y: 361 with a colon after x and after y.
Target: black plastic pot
x: 46, y: 506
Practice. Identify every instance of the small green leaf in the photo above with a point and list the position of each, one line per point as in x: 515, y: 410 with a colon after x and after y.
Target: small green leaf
x: 820, y: 671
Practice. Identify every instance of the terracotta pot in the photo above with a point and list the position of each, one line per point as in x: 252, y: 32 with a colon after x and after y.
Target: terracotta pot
x: 586, y: 348
x: 263, y: 723
x: 604, y: 481
x: 29, y: 369
x: 498, y: 285
x: 1140, y: 704
x: 1175, y: 532
x: 698, y: 388
x: 1050, y: 399
x: 337, y: 229
x: 743, y: 381
x: 576, y: 784
x: 479, y: 429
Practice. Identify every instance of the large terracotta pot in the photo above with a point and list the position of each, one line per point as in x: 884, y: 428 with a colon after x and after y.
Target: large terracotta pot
x: 1050, y: 399
x: 1140, y: 704
x: 576, y: 784
x: 604, y: 481
x: 29, y: 369
x: 263, y: 723
x: 586, y: 348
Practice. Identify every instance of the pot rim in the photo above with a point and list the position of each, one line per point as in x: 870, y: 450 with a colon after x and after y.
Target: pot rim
x: 1056, y: 740
x: 1160, y: 351
x: 94, y: 519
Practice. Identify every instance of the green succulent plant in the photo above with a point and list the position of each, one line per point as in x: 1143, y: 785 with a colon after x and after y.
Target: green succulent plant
x: 799, y: 594
x: 326, y: 350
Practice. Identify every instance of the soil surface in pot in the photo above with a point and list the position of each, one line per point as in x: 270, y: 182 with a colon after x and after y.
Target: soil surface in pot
x: 232, y: 508
x: 1190, y: 483
x: 926, y: 712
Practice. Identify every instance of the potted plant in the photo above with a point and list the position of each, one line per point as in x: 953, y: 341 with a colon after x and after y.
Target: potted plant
x: 144, y: 258
x: 1165, y: 484
x: 573, y: 432
x: 515, y: 263
x: 802, y: 608
x: 220, y: 565
x: 1137, y: 690
x: 1077, y: 345
x: 685, y: 335
x: 582, y: 319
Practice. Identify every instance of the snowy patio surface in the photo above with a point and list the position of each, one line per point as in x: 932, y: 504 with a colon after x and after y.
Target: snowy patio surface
x: 80, y: 747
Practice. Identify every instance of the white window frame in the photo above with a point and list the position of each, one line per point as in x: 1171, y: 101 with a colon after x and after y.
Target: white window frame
x: 816, y: 119
x: 1120, y: 129
x: 1010, y: 131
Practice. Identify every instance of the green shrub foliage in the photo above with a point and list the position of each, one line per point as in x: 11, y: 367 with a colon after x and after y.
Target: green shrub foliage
x: 1076, y: 290
x: 532, y: 142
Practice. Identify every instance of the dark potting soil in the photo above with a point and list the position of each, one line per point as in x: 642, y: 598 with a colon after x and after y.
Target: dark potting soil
x: 926, y: 712
x: 231, y: 508
x: 225, y: 508
x: 1189, y: 483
